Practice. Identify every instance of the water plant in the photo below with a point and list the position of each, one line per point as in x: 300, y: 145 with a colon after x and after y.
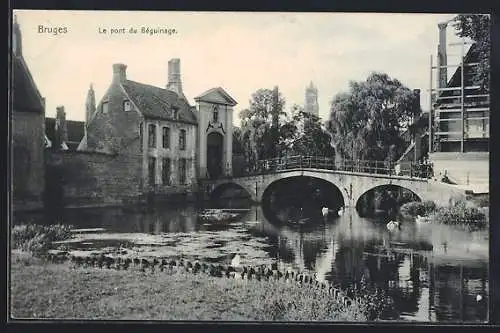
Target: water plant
x: 372, y: 301
x: 37, y: 239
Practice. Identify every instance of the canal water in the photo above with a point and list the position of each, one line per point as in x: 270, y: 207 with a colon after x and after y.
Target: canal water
x: 434, y: 273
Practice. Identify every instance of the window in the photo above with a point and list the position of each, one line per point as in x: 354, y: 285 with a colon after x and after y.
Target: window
x: 166, y: 137
x: 127, y: 106
x: 152, y: 171
x: 165, y: 171
x: 141, y: 135
x: 104, y: 107
x: 152, y: 136
x: 216, y: 114
x: 175, y: 112
x: 182, y: 171
x: 182, y: 139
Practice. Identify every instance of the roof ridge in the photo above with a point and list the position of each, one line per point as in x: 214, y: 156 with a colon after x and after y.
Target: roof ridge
x: 152, y: 86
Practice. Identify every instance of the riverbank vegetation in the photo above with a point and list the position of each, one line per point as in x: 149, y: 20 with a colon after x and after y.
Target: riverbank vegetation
x: 37, y: 239
x: 45, y: 290
x: 48, y: 290
x: 467, y: 214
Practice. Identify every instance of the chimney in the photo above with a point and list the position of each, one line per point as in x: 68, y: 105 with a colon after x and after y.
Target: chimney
x: 119, y: 73
x: 442, y: 57
x: 90, y: 106
x: 61, y: 127
x: 174, y: 76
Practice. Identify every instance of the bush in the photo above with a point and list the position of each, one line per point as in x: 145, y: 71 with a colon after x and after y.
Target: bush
x: 415, y: 208
x: 38, y: 239
x: 462, y: 214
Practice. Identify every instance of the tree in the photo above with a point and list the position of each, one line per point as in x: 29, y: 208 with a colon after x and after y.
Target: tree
x: 477, y: 28
x: 367, y: 121
x: 260, y: 125
x: 306, y: 136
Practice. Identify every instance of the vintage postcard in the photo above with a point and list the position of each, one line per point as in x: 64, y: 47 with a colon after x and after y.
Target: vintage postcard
x: 329, y: 167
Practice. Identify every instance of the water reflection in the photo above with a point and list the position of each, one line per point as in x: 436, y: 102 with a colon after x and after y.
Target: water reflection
x: 433, y: 273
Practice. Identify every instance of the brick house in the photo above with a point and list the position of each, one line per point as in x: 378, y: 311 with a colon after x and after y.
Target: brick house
x: 28, y: 116
x: 156, y: 127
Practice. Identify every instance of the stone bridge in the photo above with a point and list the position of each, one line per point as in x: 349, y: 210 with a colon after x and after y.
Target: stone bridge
x: 352, y: 185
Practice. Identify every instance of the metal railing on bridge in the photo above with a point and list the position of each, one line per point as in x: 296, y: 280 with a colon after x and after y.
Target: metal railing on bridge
x: 409, y: 169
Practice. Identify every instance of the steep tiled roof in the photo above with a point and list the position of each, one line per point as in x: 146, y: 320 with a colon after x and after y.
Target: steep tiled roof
x: 155, y: 102
x: 26, y: 95
x: 76, y: 131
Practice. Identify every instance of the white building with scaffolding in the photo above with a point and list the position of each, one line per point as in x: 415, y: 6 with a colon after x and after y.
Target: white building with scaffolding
x: 459, y: 118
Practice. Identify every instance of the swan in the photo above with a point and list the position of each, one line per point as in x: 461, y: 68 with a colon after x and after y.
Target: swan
x: 422, y: 219
x: 236, y: 260
x: 340, y: 211
x: 479, y: 298
x: 324, y: 211
x: 392, y: 225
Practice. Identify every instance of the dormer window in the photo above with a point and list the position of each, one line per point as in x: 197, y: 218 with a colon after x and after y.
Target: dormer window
x: 104, y: 107
x: 175, y: 113
x: 127, y: 106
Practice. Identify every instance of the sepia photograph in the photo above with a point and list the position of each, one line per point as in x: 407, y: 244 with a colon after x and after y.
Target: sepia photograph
x: 249, y: 166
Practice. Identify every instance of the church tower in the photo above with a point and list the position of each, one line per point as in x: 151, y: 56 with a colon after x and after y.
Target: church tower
x: 311, y: 104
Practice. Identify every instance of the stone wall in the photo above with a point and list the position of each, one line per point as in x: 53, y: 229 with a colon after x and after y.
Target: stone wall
x: 93, y: 179
x: 28, y: 159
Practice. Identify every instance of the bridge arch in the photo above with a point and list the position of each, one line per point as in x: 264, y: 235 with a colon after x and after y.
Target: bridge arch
x: 299, y: 196
x: 217, y: 192
x: 386, y: 197
x: 335, y: 189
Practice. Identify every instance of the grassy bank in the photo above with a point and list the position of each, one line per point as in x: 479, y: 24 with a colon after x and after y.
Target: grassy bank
x: 45, y: 290
x: 469, y: 214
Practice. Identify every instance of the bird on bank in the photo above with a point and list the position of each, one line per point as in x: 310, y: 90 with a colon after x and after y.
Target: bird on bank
x: 236, y: 260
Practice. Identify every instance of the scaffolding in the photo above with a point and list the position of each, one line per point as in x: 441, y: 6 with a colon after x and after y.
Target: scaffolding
x: 459, y: 111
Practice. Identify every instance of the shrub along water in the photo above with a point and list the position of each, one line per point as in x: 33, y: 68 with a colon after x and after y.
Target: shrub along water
x: 414, y: 208
x: 37, y: 239
x: 463, y: 213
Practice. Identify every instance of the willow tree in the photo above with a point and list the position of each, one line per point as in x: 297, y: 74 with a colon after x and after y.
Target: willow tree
x: 367, y: 121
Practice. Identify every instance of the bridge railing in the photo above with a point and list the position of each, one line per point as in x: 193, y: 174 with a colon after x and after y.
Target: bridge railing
x: 409, y: 169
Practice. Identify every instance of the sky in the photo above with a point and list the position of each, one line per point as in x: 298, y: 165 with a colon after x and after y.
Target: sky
x: 240, y: 52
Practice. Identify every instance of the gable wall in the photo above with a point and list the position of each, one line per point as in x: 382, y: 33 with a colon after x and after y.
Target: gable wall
x: 117, y: 130
x: 28, y: 165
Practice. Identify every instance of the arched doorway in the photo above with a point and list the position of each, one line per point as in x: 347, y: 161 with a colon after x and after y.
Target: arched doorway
x: 214, y: 154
